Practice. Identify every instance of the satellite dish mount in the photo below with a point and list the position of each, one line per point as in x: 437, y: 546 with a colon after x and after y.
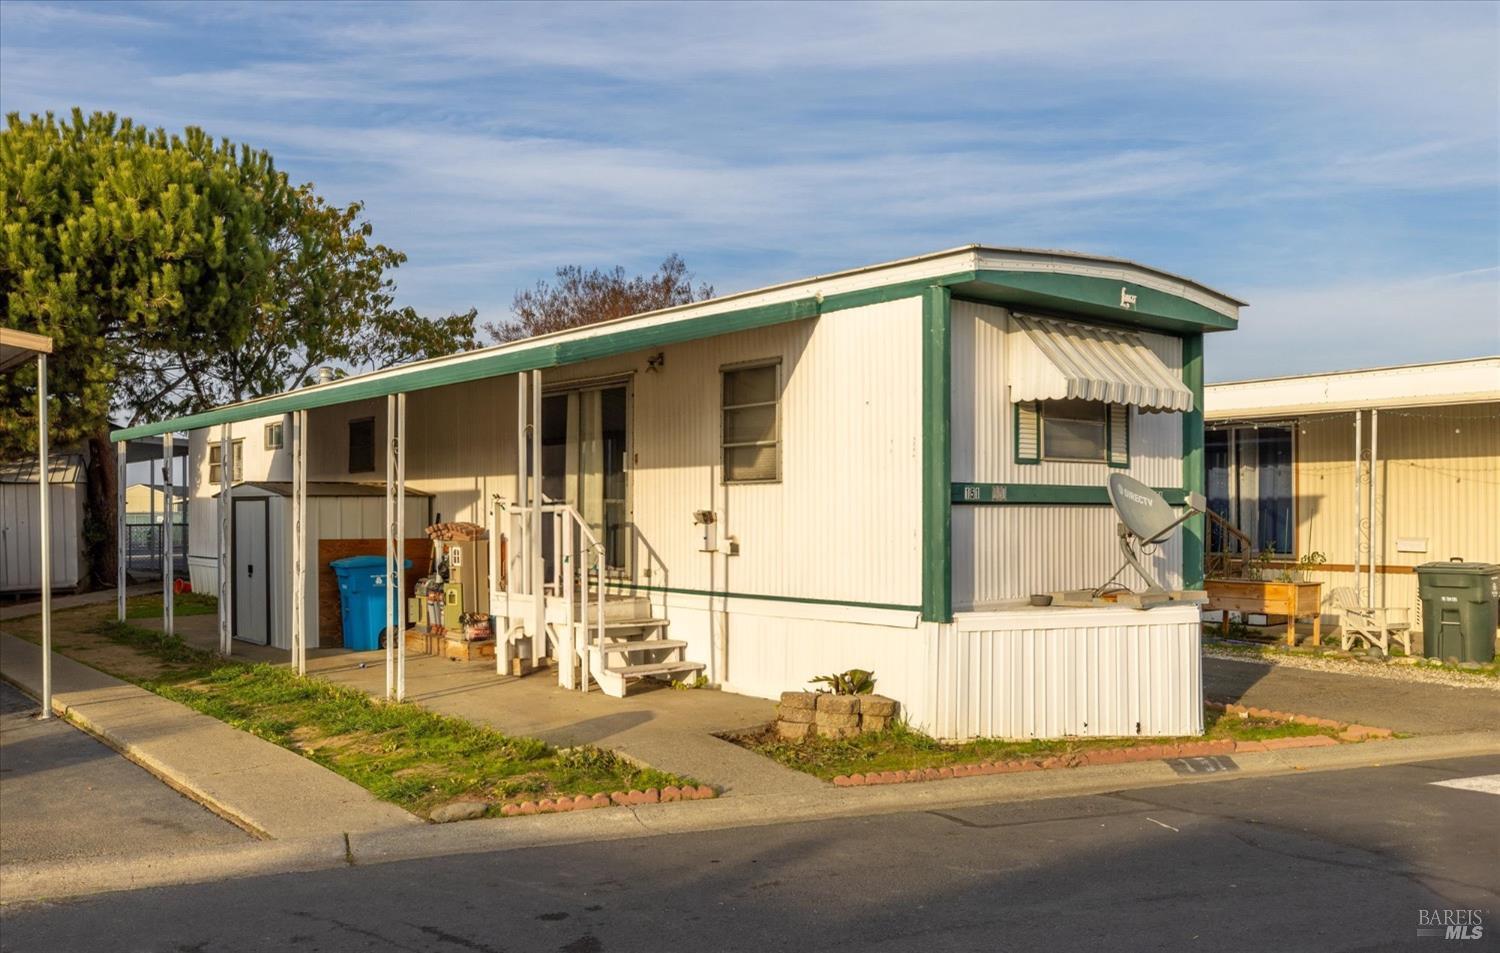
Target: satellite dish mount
x: 1146, y: 521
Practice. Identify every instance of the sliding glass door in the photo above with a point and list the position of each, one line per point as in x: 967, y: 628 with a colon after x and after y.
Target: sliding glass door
x: 585, y: 462
x: 1250, y: 484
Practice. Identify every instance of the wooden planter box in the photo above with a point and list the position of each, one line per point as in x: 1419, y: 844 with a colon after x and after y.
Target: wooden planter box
x: 1295, y: 600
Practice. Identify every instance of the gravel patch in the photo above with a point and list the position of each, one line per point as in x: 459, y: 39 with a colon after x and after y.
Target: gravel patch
x: 1343, y: 666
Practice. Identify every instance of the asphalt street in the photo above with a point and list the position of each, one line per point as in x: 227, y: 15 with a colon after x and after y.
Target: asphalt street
x: 1337, y: 860
x: 67, y: 796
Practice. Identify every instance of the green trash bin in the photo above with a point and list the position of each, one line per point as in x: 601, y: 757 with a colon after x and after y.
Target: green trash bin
x: 1460, y: 602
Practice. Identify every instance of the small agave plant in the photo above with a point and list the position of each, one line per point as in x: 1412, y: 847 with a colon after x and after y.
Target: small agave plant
x: 856, y: 681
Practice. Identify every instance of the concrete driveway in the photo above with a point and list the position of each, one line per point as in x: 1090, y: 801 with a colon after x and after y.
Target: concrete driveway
x: 68, y: 797
x: 1418, y: 708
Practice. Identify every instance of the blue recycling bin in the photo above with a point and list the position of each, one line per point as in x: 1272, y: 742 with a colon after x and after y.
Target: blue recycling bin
x: 362, y: 599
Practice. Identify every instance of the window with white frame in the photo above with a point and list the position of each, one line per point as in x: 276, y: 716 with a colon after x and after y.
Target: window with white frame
x: 275, y: 436
x: 1072, y: 431
x: 751, y: 429
x: 215, y: 462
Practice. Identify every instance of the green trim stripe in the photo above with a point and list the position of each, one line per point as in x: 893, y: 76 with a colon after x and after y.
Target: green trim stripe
x: 1078, y: 294
x: 1033, y: 494
x: 937, y: 456
x: 1194, y: 479
x: 725, y: 594
x: 1100, y: 297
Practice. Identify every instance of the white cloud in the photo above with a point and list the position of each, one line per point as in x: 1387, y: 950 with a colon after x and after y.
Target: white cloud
x: 1367, y: 324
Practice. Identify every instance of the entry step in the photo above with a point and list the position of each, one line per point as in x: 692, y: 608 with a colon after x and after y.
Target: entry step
x: 643, y: 645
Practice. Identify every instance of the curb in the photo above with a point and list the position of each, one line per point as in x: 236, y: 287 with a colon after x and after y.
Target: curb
x: 25, y: 883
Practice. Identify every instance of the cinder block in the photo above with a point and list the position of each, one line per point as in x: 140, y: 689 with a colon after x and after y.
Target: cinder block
x: 834, y: 731
x: 802, y: 715
x: 833, y: 719
x: 877, y: 705
x: 874, y: 723
x: 808, y: 700
x: 793, y: 730
x: 838, y: 704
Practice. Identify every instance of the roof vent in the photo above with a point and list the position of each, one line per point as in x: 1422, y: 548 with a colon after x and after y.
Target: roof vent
x: 325, y: 375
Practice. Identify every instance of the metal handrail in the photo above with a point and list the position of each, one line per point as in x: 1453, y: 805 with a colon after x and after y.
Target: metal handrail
x: 566, y: 546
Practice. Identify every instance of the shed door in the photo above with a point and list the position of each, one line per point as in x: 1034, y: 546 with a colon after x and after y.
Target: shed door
x: 252, y: 594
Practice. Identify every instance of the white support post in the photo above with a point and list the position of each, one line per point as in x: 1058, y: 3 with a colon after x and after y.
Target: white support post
x: 44, y: 515
x: 523, y: 484
x: 122, y: 530
x: 398, y: 575
x: 1374, y: 519
x: 498, y: 522
x: 168, y: 549
x: 538, y: 567
x: 299, y: 542
x: 226, y: 565
x: 1358, y: 499
x: 567, y: 647
x: 390, y: 545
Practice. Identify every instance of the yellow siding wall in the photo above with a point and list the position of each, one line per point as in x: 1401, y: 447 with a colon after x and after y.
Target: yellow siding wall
x: 1439, y: 478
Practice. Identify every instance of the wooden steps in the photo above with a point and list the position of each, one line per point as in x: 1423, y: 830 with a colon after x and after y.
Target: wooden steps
x: 656, y: 668
x: 642, y: 645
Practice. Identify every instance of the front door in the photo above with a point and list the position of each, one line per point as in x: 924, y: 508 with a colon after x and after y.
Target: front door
x: 585, y: 462
x: 252, y: 601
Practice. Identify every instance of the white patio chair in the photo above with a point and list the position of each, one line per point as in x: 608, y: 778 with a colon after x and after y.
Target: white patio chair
x: 1377, y: 627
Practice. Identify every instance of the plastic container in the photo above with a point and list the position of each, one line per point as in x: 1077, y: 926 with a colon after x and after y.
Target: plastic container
x: 362, y: 599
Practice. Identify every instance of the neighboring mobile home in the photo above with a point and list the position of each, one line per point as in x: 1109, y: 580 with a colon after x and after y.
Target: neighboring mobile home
x: 1421, y: 441
x: 874, y: 468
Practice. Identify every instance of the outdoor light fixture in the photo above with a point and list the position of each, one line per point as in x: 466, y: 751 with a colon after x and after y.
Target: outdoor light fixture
x: 656, y: 362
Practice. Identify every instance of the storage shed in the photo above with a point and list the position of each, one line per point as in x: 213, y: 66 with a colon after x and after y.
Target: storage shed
x: 20, y: 543
x: 343, y: 519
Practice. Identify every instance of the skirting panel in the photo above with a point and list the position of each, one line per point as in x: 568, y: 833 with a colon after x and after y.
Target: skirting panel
x: 1059, y: 673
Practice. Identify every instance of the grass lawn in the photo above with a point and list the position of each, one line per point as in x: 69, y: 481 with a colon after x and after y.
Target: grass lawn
x: 902, y: 749
x: 401, y: 753
x: 186, y: 603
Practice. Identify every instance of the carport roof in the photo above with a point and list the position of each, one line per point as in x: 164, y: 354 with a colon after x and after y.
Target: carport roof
x: 1110, y: 289
x: 284, y: 488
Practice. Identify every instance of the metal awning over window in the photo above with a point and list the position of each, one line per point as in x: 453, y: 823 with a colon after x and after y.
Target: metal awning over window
x: 1052, y: 359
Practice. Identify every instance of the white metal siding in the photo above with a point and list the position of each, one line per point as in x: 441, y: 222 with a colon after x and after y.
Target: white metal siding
x: 1003, y: 553
x: 1057, y: 673
x: 844, y: 522
x: 983, y: 418
x: 20, y: 543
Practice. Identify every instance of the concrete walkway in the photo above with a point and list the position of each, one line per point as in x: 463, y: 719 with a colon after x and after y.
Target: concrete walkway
x: 262, y: 787
x: 23, y: 610
x: 666, y: 729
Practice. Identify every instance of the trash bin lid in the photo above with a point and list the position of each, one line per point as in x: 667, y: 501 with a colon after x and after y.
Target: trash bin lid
x: 1474, y: 569
x: 364, y: 563
x: 353, y: 563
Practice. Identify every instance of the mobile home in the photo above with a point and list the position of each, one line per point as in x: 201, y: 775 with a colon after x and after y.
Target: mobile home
x: 1377, y: 470
x: 874, y: 468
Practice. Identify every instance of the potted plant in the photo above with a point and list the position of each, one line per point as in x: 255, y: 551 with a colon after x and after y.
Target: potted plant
x: 1271, y: 587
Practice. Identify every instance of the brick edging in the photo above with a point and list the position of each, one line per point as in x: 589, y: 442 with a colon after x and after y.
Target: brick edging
x: 1191, y: 749
x: 587, y: 802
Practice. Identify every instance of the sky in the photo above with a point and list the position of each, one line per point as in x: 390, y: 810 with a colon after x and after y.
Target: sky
x: 1336, y: 166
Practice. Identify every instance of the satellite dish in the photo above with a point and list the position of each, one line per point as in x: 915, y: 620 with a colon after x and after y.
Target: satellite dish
x: 1146, y: 521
